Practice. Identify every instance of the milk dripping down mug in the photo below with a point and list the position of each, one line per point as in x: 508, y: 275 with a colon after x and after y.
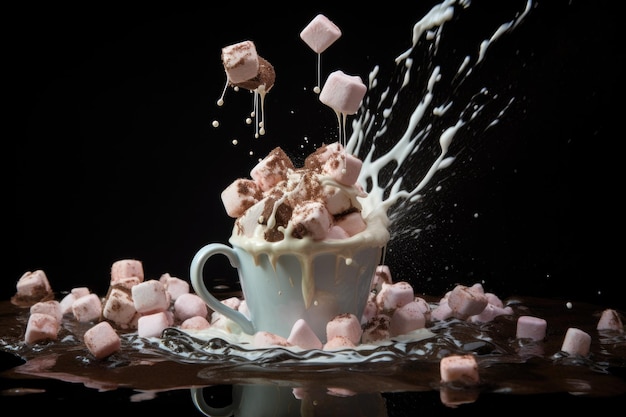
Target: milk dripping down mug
x: 314, y: 281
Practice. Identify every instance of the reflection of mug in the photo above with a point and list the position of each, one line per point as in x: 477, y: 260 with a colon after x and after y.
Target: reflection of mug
x: 252, y: 400
x: 283, y: 401
x: 312, y: 285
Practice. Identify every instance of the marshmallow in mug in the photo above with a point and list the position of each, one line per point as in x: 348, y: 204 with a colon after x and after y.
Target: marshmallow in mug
x: 308, y: 198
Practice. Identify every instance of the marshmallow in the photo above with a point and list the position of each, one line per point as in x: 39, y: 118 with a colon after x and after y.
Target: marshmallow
x: 459, y: 368
x: 610, y: 320
x: 240, y: 61
x: 392, y: 296
x: 320, y: 33
x: 189, y: 305
x: 195, y: 323
x: 87, y: 308
x: 407, y: 318
x: 376, y: 328
x: 346, y: 325
x: 529, y: 327
x: 33, y: 287
x: 102, y: 340
x: 337, y: 232
x: 119, y: 306
x: 150, y: 297
x: 343, y: 93
x: 124, y: 268
x: 352, y: 223
x: 339, y: 342
x: 175, y: 287
x: 264, y: 78
x: 316, y: 160
x: 51, y: 307
x: 272, y: 169
x: 152, y: 325
x: 303, y: 336
x: 382, y: 275
x: 576, y: 342
x: 240, y: 195
x: 311, y: 219
x: 263, y: 339
x: 442, y: 311
x: 343, y: 168
x: 127, y: 282
x: 370, y: 310
x: 489, y: 313
x: 466, y: 302
x: 41, y: 327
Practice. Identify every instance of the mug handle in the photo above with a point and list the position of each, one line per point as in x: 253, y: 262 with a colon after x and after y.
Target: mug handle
x: 197, y: 281
x: 197, y: 396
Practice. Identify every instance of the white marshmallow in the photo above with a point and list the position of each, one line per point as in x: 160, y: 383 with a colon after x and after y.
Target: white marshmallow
x: 87, y: 308
x: 51, y: 307
x: 189, y: 305
x: 272, y: 169
x: 343, y: 168
x: 119, y: 307
x: 150, y: 297
x: 311, y: 219
x: 392, y: 296
x: 152, y: 325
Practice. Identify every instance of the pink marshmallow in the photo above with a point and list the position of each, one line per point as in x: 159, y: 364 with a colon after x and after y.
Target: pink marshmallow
x: 316, y: 160
x: 338, y: 343
x: 272, y: 169
x: 102, y: 340
x: 189, y: 305
x: 576, y: 342
x: 407, y: 318
x: 424, y: 307
x: 119, y: 307
x: 241, y: 61
x: 66, y: 303
x: 337, y: 200
x: 127, y: 282
x: 489, y: 313
x: 352, y: 223
x: 311, y: 219
x: 343, y: 168
x: 320, y: 33
x: 529, y: 327
x: 263, y: 339
x: 392, y: 296
x: 459, y: 368
x: 370, y: 310
x: 610, y: 320
x: 240, y: 195
x: 346, y: 325
x: 174, y: 286
x: 80, y: 292
x: 195, y: 323
x: 376, y: 329
x: 41, y: 327
x: 51, y: 307
x: 337, y: 232
x: 343, y: 93
x: 466, y: 302
x: 442, y: 311
x: 87, y: 308
x: 150, y: 297
x: 303, y: 336
x: 33, y: 286
x: 152, y: 325
x: 382, y: 275
x: 124, y: 268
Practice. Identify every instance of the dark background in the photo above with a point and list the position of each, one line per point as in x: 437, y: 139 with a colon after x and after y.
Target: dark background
x: 111, y: 152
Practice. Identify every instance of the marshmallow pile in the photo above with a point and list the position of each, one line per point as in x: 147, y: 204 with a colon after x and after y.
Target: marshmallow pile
x: 131, y: 303
x: 318, y: 200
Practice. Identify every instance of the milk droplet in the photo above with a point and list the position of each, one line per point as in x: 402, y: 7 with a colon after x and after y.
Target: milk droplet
x: 215, y: 123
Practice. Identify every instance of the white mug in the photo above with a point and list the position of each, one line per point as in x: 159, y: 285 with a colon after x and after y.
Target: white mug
x: 315, y: 287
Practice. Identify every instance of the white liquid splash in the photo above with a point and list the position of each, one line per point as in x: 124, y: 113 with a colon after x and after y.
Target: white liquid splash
x: 389, y: 157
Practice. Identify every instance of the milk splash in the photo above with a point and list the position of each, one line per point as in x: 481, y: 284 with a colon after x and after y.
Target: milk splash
x: 435, y: 121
